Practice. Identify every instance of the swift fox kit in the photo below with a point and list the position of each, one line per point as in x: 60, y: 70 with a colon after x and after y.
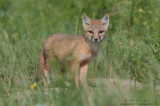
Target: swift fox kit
x: 82, y: 48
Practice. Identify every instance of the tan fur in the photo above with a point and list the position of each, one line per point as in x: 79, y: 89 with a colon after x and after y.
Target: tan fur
x: 77, y: 51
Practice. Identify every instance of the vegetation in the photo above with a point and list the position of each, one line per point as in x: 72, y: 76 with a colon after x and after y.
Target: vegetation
x: 126, y: 70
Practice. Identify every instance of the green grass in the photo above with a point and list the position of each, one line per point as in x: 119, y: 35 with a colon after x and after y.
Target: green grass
x: 127, y: 67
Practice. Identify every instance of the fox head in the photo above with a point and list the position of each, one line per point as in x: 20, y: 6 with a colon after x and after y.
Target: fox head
x: 95, y: 30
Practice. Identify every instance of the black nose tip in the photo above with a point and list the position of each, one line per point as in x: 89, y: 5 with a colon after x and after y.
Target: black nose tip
x: 95, y: 39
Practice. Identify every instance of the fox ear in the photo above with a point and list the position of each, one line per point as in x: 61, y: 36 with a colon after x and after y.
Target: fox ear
x: 105, y: 20
x: 86, y: 20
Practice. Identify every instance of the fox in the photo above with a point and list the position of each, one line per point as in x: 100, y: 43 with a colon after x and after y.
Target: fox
x: 77, y: 51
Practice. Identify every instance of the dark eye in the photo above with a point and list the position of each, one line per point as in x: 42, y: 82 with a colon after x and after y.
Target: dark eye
x: 101, y: 31
x: 90, y: 31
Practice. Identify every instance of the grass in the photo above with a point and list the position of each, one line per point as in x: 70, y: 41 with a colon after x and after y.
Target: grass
x: 126, y: 70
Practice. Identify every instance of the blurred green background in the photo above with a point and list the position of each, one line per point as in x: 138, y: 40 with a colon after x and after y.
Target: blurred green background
x: 130, y: 52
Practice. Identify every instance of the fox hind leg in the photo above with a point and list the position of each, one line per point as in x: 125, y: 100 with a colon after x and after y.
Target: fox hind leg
x: 43, y: 71
x: 41, y: 66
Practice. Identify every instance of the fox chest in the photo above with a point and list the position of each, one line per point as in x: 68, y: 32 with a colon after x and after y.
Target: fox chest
x: 86, y: 58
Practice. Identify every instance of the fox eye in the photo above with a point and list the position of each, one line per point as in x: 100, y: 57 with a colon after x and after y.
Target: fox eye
x: 101, y: 31
x: 90, y: 31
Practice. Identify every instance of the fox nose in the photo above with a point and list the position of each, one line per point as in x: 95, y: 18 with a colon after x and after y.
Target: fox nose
x: 95, y: 39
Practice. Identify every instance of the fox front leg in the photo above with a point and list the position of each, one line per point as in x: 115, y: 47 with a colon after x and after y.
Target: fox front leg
x: 75, y: 68
x: 83, y: 74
